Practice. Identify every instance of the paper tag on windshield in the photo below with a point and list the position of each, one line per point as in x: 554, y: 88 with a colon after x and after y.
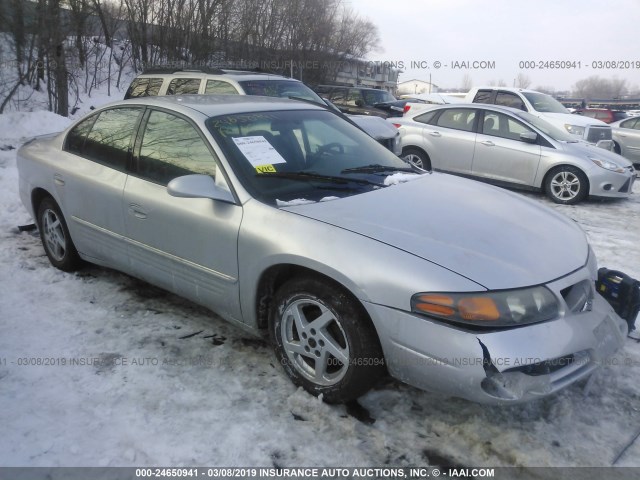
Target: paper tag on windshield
x: 258, y: 151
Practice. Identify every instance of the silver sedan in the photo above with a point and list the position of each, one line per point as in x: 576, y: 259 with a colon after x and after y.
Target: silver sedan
x: 510, y: 147
x: 626, y: 139
x: 293, y: 224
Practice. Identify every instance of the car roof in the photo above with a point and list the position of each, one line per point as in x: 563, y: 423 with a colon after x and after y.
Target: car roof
x: 213, y: 105
x: 351, y: 86
x: 508, y: 89
x: 485, y: 106
x: 215, y: 73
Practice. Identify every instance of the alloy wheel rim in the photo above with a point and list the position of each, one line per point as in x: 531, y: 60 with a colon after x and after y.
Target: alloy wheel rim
x: 315, y: 342
x: 54, y: 235
x: 415, y: 160
x: 565, y: 185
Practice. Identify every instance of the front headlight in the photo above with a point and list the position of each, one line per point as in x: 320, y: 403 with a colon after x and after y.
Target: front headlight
x: 504, y: 308
x: 574, y: 129
x: 607, y: 165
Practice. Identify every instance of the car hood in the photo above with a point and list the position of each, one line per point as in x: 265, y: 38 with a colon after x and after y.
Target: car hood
x: 584, y: 149
x: 493, y: 237
x: 573, y: 119
x: 376, y: 127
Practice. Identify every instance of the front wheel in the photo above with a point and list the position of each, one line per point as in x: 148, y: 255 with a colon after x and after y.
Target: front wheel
x: 55, y: 237
x: 324, y: 340
x: 566, y: 185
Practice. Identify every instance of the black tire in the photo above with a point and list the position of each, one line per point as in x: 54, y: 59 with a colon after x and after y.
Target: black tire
x: 416, y: 157
x: 55, y: 236
x: 341, y: 358
x: 566, y: 185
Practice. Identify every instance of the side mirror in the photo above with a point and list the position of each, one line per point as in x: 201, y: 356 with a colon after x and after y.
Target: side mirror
x: 198, y: 186
x: 529, y: 137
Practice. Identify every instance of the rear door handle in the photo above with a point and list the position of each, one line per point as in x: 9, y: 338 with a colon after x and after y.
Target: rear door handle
x: 435, y: 134
x: 488, y: 143
x: 137, y: 211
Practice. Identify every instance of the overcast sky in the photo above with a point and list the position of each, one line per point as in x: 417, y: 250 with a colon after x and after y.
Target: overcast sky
x: 507, y: 32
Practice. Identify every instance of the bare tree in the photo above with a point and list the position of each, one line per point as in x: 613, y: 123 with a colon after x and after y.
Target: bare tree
x: 497, y: 83
x: 467, y: 83
x: 522, y: 81
x: 546, y: 89
x: 597, y: 87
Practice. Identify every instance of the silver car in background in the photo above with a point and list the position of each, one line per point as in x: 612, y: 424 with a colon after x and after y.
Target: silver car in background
x: 292, y: 223
x: 626, y: 139
x: 510, y: 147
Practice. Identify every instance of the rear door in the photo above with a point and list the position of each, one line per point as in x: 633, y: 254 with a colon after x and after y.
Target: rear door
x: 186, y: 245
x: 450, y: 139
x: 500, y: 154
x: 90, y: 187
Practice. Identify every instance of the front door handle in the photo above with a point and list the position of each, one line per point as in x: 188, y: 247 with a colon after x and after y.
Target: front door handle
x: 137, y: 211
x: 58, y: 179
x: 488, y: 143
x: 435, y: 134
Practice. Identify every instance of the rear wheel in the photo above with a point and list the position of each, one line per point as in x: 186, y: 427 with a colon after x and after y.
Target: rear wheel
x: 417, y: 157
x: 55, y: 236
x: 324, y: 340
x: 566, y: 185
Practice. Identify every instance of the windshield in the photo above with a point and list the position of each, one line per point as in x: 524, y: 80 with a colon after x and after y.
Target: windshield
x: 542, y: 102
x: 280, y: 88
x: 547, y: 128
x: 304, y: 155
x: 371, y: 97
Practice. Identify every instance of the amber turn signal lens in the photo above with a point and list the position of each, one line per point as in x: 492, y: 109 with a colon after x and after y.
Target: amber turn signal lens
x: 436, y: 304
x: 478, y: 308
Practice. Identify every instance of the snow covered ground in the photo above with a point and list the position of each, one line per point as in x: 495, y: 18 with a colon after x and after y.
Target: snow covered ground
x: 156, y: 380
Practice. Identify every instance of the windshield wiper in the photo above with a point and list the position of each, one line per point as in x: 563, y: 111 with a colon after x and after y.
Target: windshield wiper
x: 375, y: 168
x: 306, y: 176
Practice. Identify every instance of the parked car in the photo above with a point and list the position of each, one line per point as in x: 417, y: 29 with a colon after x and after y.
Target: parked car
x: 169, y: 81
x: 510, y: 147
x: 545, y: 106
x: 292, y: 223
x: 421, y: 101
x: 603, y: 114
x: 363, y: 100
x: 626, y: 139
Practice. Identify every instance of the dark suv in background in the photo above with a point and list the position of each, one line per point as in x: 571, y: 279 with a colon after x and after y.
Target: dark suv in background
x: 362, y: 100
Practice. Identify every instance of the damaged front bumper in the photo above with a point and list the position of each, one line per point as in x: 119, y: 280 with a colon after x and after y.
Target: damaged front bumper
x: 500, y: 367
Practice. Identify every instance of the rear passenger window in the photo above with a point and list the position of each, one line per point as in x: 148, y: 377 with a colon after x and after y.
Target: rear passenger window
x: 183, y: 86
x: 108, y: 140
x: 483, y: 96
x: 510, y: 100
x: 218, y: 86
x: 171, y: 147
x: 144, y: 87
x: 77, y: 136
x: 457, y: 118
x: 426, y: 117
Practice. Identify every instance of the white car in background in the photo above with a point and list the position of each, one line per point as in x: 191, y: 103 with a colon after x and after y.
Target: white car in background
x: 545, y: 106
x: 421, y: 101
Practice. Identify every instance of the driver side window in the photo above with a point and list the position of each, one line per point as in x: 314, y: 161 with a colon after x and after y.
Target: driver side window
x: 172, y: 147
x: 500, y: 125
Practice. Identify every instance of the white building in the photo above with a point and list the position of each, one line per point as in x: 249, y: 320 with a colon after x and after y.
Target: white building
x: 412, y: 87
